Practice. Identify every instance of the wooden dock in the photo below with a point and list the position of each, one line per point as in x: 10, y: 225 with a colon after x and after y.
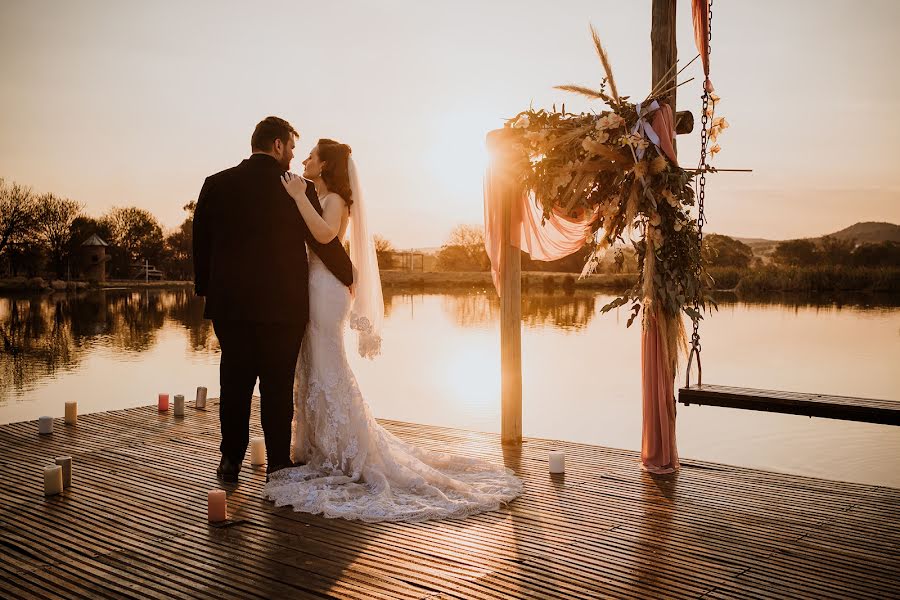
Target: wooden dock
x: 865, y: 410
x: 134, y: 525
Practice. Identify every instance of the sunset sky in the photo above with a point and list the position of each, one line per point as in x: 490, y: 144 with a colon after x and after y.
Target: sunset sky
x: 118, y: 103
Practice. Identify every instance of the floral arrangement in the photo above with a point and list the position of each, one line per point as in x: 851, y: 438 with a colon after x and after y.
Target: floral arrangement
x: 610, y: 167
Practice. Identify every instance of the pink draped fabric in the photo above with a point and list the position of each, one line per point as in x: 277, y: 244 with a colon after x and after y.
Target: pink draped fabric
x: 557, y: 238
x: 700, y: 14
x: 659, y: 452
x: 664, y: 126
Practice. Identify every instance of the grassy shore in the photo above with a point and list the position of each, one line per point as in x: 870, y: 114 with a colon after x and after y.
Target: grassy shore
x: 762, y: 280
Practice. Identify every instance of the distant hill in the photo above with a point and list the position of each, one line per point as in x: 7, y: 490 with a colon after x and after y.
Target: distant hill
x: 864, y: 233
x: 870, y: 233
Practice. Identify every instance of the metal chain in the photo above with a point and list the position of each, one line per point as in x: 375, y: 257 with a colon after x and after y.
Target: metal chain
x: 701, y: 197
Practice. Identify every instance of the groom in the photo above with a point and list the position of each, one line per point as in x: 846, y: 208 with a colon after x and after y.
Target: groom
x: 250, y: 263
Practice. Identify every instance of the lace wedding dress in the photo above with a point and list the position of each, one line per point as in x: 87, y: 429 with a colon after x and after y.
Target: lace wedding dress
x: 354, y: 468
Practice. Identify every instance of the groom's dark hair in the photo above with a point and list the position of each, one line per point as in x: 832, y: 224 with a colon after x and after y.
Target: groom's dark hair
x: 268, y: 130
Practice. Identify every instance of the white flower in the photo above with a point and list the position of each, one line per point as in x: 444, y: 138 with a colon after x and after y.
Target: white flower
x: 655, y: 219
x: 522, y: 122
x: 677, y: 226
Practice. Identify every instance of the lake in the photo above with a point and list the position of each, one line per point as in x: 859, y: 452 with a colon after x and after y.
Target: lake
x: 441, y: 363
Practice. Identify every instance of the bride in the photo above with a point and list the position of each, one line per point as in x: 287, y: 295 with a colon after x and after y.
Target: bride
x: 347, y: 464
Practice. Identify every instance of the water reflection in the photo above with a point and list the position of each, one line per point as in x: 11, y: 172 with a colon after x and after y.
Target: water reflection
x: 42, y: 335
x: 568, y: 311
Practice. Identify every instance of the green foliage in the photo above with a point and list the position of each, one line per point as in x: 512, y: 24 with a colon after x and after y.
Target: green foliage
x: 575, y: 165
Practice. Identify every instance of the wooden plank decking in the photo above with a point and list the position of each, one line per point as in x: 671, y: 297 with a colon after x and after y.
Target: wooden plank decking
x: 866, y: 410
x: 134, y: 525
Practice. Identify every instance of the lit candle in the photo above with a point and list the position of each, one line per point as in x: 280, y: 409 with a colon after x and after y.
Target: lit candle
x: 163, y: 402
x: 179, y: 405
x: 45, y: 425
x: 65, y: 462
x: 71, y: 413
x: 218, y: 506
x: 258, y: 451
x: 557, y: 462
x: 53, y: 481
x: 201, y: 398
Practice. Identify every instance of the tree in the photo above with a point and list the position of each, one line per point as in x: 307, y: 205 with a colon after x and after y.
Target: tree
x: 178, y: 249
x: 383, y: 251
x: 724, y: 251
x: 800, y: 253
x: 883, y: 254
x: 54, y: 220
x: 836, y: 251
x: 18, y: 207
x: 464, y: 250
x: 137, y: 235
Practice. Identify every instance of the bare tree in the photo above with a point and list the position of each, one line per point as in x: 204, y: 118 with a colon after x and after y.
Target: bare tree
x: 55, y: 216
x: 384, y: 250
x: 18, y: 206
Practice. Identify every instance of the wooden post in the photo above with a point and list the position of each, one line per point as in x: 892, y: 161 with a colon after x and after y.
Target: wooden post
x: 510, y: 326
x: 663, y: 44
x: 510, y: 294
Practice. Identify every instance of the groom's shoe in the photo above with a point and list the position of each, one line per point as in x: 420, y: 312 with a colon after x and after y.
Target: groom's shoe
x: 228, y: 471
x: 273, y: 468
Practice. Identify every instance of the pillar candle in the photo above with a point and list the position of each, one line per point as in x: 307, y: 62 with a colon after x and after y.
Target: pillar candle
x: 218, y: 506
x: 179, y: 405
x: 65, y: 462
x: 45, y: 425
x: 53, y: 481
x: 258, y: 451
x: 71, y: 413
x: 557, y: 462
x: 163, y: 402
x: 201, y: 397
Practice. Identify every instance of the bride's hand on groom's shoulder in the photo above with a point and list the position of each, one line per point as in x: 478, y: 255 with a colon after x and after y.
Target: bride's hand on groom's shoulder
x: 294, y: 184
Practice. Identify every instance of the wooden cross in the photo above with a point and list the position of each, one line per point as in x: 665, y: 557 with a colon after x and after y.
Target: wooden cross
x: 664, y: 53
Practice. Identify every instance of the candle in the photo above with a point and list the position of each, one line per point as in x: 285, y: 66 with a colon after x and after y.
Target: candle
x: 201, y: 398
x: 163, y: 402
x: 258, y: 451
x: 65, y: 462
x: 179, y: 405
x: 557, y: 462
x: 53, y: 481
x: 218, y: 506
x: 71, y: 413
x: 45, y: 425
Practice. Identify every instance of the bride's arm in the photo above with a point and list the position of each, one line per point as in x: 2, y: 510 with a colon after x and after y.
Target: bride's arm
x: 324, y: 228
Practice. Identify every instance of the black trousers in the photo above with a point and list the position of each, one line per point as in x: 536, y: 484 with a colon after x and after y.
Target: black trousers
x: 267, y: 351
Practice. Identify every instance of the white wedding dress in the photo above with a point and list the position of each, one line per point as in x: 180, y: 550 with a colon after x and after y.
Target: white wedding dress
x: 354, y: 468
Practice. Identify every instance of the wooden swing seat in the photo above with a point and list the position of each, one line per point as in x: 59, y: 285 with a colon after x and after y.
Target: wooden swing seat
x: 866, y: 410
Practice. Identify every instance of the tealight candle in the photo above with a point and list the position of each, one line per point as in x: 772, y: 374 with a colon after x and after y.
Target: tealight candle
x: 201, y: 398
x: 179, y: 405
x: 65, y: 462
x: 557, y: 462
x: 45, y: 425
x: 258, y: 451
x: 163, y: 402
x: 53, y: 481
x: 217, y: 506
x: 71, y: 413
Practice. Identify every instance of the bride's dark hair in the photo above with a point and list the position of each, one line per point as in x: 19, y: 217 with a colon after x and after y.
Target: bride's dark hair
x: 336, y: 172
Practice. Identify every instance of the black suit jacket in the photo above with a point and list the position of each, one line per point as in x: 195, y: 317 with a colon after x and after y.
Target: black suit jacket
x: 249, y: 246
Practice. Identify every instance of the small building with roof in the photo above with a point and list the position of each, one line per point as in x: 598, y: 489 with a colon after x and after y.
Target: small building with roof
x: 94, y: 258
